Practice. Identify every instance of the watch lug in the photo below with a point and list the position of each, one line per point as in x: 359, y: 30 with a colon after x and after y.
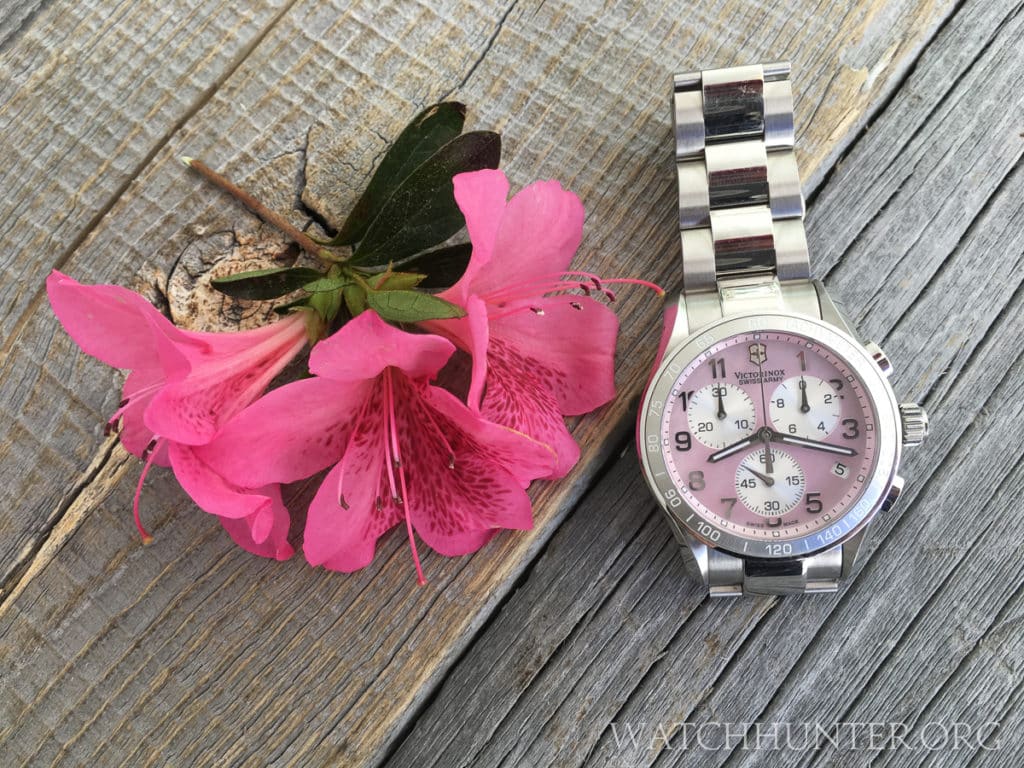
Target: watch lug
x: 852, y: 549
x: 830, y: 312
x: 694, y: 551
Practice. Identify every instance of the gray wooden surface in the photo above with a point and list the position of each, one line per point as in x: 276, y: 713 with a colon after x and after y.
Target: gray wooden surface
x: 547, y: 646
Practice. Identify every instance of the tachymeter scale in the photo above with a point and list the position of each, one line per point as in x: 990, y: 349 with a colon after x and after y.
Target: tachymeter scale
x: 805, y: 406
x: 720, y: 414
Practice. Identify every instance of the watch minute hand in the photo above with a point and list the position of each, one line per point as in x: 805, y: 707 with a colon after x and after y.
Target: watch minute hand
x: 816, y: 445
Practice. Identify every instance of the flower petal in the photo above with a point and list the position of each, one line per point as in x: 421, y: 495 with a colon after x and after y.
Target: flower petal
x: 471, y: 334
x: 344, y: 539
x: 571, y: 349
x: 219, y: 385
x: 541, y: 229
x: 108, y: 322
x: 366, y: 345
x: 481, y: 196
x: 456, y: 506
x: 518, y: 397
x: 267, y: 534
x: 212, y: 492
x: 289, y: 434
x: 513, y: 451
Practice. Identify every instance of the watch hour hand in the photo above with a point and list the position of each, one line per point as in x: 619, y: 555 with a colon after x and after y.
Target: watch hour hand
x: 729, y: 450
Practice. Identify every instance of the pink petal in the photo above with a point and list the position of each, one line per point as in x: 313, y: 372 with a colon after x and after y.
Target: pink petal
x: 572, y: 351
x: 456, y: 506
x: 344, y: 539
x: 518, y: 397
x: 267, y: 535
x: 139, y: 388
x: 541, y: 229
x: 481, y: 196
x: 223, y: 382
x: 212, y: 492
x: 471, y: 334
x: 366, y: 345
x: 514, y: 452
x: 109, y: 322
x: 289, y: 434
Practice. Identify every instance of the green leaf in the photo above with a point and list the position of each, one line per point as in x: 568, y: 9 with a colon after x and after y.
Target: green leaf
x: 422, y: 211
x: 411, y: 306
x: 395, y: 281
x: 263, y: 284
x: 355, y: 298
x: 443, y: 266
x: 429, y: 131
x: 326, y: 284
x: 327, y: 304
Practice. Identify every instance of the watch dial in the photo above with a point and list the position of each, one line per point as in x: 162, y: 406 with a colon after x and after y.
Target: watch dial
x: 769, y: 435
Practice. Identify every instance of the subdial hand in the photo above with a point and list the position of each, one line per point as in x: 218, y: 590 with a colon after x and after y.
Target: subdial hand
x: 805, y: 407
x: 766, y: 479
x: 719, y: 392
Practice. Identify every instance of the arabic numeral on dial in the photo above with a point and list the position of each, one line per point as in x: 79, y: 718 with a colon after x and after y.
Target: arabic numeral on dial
x: 748, y: 483
x: 717, y: 368
x: 772, y: 506
x: 709, y: 533
x: 743, y: 424
x: 683, y: 441
x: 705, y: 426
x: 852, y: 429
x: 814, y: 503
x: 780, y: 402
x: 685, y: 398
x: 729, y: 502
x: 793, y: 480
x: 696, y: 479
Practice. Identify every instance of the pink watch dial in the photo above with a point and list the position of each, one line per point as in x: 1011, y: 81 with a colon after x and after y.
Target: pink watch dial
x: 769, y: 436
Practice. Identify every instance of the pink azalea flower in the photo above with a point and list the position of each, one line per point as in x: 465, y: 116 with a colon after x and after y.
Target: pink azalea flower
x: 403, y: 450
x: 543, y: 350
x: 182, y: 388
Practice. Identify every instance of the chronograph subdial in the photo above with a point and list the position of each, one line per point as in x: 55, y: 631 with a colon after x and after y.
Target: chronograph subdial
x: 720, y: 414
x: 769, y: 488
x: 805, y: 406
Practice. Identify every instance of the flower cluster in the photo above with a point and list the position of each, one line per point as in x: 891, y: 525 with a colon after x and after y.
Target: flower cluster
x: 400, y: 449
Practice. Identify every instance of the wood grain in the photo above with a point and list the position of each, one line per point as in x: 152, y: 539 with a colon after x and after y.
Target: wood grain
x: 190, y: 652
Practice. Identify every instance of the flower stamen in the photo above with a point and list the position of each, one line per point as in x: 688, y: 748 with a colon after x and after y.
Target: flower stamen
x: 147, y: 455
x: 393, y: 429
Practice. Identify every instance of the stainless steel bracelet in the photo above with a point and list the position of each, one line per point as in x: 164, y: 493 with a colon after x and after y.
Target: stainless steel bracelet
x: 740, y: 203
x: 741, y: 227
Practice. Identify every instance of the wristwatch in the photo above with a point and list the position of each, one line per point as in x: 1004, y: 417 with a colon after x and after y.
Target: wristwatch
x: 769, y: 434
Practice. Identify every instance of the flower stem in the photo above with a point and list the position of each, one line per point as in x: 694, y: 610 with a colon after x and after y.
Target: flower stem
x: 304, y: 241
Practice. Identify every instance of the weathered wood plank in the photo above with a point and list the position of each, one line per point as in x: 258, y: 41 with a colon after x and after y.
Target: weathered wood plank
x: 168, y: 654
x: 540, y: 689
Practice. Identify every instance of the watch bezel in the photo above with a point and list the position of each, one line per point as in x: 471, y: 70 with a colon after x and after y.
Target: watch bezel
x: 880, y: 393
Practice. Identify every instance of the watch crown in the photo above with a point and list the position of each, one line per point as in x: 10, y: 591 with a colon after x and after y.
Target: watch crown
x: 880, y: 358
x: 915, y: 423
